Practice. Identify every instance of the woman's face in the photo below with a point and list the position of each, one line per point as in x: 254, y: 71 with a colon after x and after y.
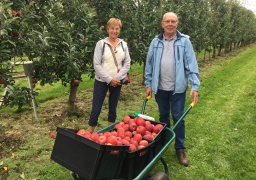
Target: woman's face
x: 113, y: 31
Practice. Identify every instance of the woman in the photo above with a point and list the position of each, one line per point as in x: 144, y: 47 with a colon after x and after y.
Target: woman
x: 109, y: 72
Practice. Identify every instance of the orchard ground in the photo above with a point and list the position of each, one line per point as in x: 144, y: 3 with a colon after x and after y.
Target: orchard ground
x: 220, y: 128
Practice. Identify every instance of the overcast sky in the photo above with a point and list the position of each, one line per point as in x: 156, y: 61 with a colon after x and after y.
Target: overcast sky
x: 249, y: 4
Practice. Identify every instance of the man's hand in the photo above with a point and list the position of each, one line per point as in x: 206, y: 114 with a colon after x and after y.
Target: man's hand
x: 149, y: 92
x: 194, y: 94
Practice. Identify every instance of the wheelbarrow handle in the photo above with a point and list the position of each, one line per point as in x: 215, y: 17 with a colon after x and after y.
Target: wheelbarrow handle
x: 183, y: 115
x: 144, y: 104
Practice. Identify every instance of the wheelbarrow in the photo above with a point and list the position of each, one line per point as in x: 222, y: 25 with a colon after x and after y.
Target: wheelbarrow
x: 169, y: 136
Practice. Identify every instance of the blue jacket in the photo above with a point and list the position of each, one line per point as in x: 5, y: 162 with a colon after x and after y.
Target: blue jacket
x: 186, y: 66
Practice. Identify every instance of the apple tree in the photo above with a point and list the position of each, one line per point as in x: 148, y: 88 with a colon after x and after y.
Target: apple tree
x: 58, y: 36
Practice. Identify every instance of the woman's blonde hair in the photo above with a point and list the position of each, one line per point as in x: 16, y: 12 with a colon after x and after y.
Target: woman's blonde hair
x: 114, y: 21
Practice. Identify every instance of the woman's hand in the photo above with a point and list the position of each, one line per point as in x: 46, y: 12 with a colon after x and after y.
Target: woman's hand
x: 114, y: 82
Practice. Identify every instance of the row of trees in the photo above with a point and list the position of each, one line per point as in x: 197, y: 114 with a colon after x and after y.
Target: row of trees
x: 59, y: 35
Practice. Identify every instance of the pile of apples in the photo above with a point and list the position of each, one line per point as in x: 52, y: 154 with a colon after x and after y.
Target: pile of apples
x: 133, y: 132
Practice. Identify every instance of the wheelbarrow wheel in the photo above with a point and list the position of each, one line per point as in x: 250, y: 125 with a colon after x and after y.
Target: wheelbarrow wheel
x: 159, y: 176
x: 73, y: 175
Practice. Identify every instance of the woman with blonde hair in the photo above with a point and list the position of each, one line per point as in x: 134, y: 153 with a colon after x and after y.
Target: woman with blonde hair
x: 111, y: 63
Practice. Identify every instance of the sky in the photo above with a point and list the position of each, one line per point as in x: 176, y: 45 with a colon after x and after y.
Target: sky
x: 249, y: 4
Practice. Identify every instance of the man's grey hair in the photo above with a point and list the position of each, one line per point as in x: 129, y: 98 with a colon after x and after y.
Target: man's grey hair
x: 171, y: 13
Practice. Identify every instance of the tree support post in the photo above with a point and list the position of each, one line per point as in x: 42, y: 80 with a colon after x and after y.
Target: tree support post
x: 27, y: 65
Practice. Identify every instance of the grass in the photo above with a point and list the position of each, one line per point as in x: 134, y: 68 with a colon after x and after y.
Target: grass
x: 219, y: 129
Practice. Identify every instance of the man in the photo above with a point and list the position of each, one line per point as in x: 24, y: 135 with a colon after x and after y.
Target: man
x: 170, y: 63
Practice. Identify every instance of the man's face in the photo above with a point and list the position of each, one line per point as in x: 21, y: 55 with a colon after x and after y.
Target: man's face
x: 170, y: 24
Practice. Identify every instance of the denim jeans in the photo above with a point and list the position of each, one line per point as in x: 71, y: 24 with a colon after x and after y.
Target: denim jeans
x: 167, y: 101
x: 99, y: 94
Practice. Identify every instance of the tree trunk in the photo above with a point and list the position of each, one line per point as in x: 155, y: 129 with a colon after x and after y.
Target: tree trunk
x: 2, y: 136
x: 72, y: 109
x: 214, y: 52
x: 219, y: 50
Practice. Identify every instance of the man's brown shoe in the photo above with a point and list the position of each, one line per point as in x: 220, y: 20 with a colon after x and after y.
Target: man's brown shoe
x: 182, y: 158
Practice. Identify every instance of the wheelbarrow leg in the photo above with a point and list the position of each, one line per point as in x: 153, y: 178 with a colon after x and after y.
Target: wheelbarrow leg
x: 165, y: 166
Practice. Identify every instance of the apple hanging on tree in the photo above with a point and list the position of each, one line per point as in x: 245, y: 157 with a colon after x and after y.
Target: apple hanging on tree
x: 76, y: 81
x: 1, y: 80
x: 33, y: 80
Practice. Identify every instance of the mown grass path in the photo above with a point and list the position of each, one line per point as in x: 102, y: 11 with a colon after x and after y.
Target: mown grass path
x: 221, y: 136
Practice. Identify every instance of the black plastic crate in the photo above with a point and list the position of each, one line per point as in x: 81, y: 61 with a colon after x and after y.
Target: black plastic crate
x: 87, y: 158
x: 135, y: 162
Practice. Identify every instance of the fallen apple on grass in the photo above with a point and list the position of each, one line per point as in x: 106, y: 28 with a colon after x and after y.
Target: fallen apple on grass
x: 52, y: 135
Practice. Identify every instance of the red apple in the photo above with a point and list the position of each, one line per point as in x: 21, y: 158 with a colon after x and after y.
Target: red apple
x: 120, y: 132
x: 114, y: 133
x: 15, y: 34
x: 76, y: 81
x: 19, y: 13
x: 94, y: 137
x: 33, y: 80
x: 107, y: 134
x: 14, y: 12
x: 126, y: 119
x: 137, y: 137
x: 132, y: 147
x: 81, y: 132
x: 126, y: 127
x: 132, y: 126
x: 149, y: 126
x: 126, y: 142
x: 119, y: 143
x: 128, y: 134
x: 153, y: 134
x: 117, y: 126
x: 140, y: 121
x: 147, y: 132
x: 147, y: 122
x: 157, y: 128
x: 111, y: 140
x: 1, y: 80
x: 134, y: 132
x: 132, y: 141
x: 127, y: 138
x: 140, y: 146
x: 143, y: 142
x: 148, y: 137
x: 102, y: 139
x: 132, y: 121
x: 52, y: 135
x: 121, y: 123
x: 160, y: 126
x: 141, y: 130
x: 87, y: 135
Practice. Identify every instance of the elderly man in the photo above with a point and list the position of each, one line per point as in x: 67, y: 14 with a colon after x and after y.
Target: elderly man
x: 171, y: 62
